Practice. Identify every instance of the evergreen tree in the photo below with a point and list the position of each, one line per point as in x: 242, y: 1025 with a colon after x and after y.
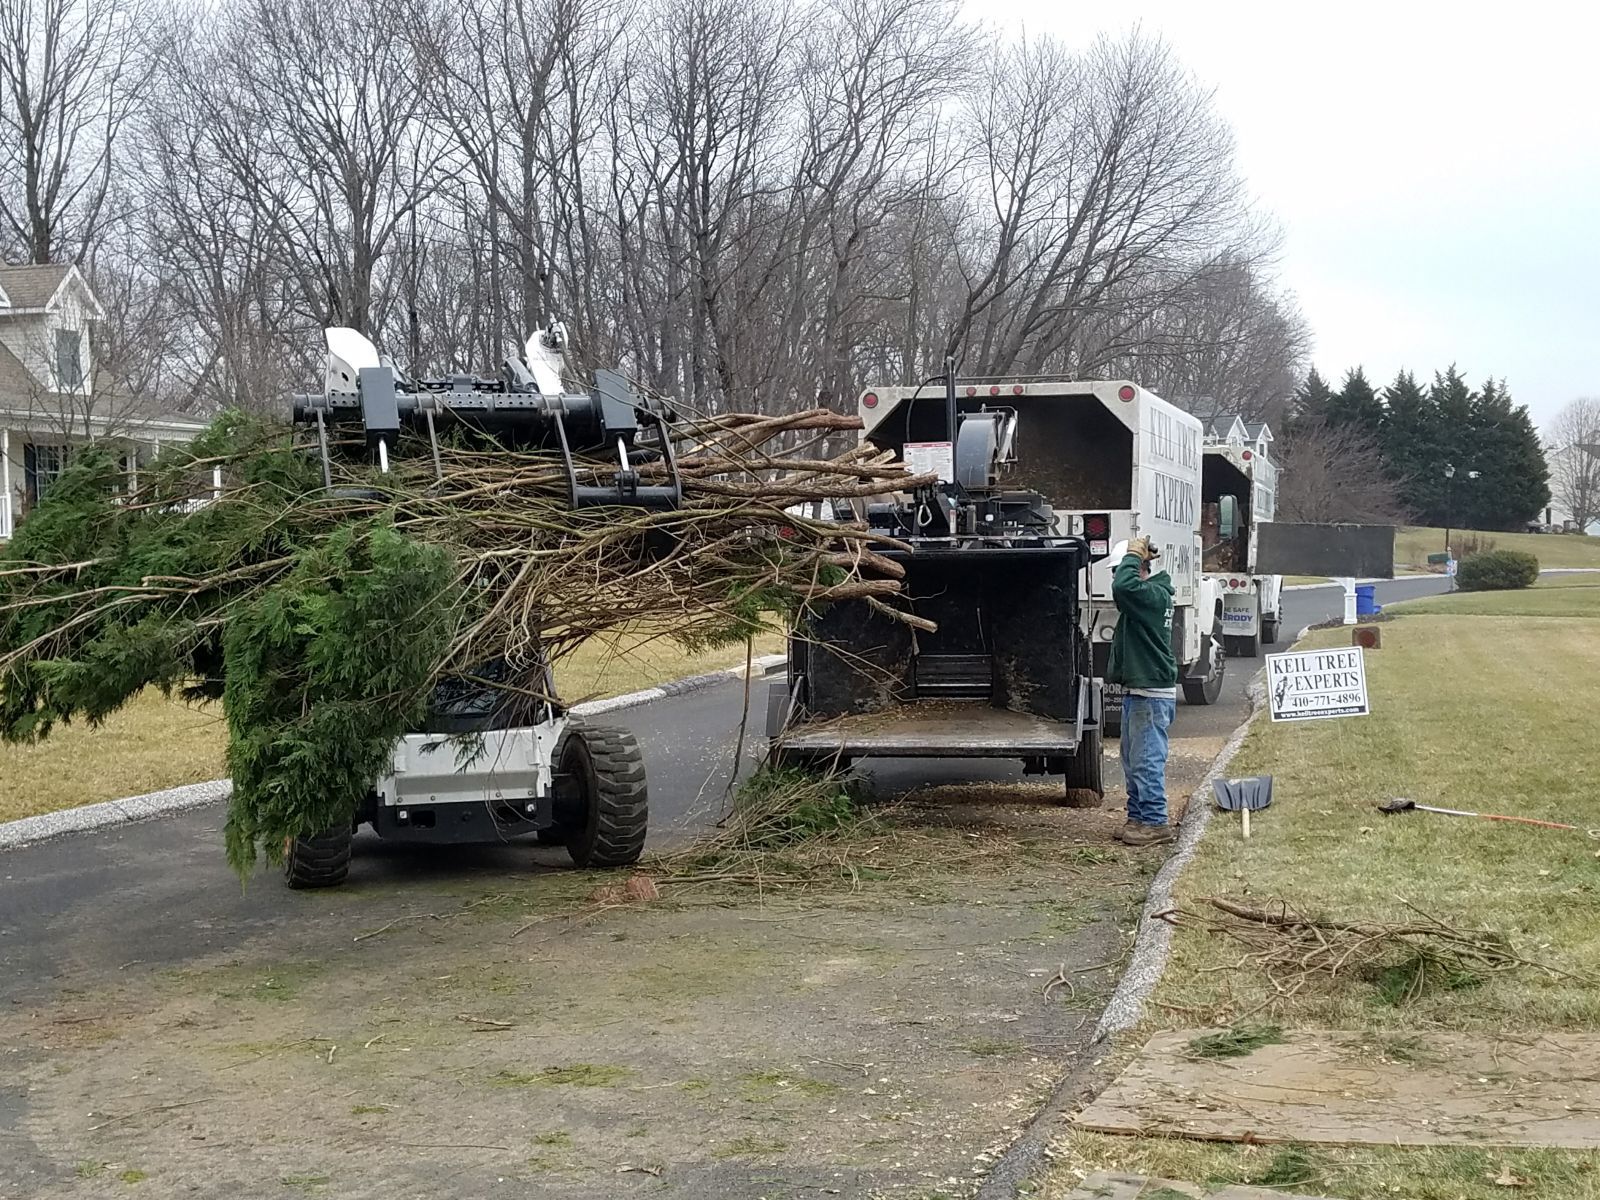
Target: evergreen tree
x: 1513, y: 483
x: 1355, y: 404
x: 1408, y: 435
x: 1449, y: 443
x: 1311, y: 401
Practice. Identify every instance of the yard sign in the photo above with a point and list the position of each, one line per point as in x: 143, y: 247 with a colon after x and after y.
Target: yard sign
x: 1314, y: 685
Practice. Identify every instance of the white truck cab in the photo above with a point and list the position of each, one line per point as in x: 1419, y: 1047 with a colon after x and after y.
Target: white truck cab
x: 1239, y: 489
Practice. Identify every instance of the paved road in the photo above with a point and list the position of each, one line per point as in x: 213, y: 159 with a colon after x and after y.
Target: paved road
x: 159, y: 893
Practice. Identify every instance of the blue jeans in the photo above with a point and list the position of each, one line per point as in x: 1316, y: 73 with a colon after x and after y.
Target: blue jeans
x: 1144, y: 756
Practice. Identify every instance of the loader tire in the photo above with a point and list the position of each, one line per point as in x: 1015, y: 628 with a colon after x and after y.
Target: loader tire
x: 318, y: 862
x: 607, y: 827
x: 1084, y: 786
x: 1208, y: 688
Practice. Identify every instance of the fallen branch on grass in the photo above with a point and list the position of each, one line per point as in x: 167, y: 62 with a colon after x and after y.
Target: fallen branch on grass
x: 1290, y: 947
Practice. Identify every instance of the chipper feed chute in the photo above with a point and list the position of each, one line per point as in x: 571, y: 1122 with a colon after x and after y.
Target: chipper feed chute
x: 1005, y: 616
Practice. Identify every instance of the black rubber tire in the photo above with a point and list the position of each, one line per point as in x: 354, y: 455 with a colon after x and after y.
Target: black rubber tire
x: 1270, y: 628
x: 1085, y: 787
x: 609, y: 831
x: 318, y: 862
x: 1208, y: 689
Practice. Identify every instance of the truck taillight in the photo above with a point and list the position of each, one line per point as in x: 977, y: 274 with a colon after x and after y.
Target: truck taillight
x: 972, y: 391
x: 870, y: 400
x: 1017, y: 389
x: 1126, y: 392
x: 1097, y: 526
x: 994, y: 389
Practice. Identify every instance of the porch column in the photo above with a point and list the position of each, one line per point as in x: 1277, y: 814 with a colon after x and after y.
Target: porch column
x: 5, y: 482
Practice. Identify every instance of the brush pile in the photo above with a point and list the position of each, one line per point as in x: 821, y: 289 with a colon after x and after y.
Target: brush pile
x: 1293, y: 949
x: 325, y: 619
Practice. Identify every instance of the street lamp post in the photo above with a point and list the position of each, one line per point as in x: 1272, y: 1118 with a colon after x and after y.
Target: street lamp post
x: 1449, y: 510
x: 1449, y: 495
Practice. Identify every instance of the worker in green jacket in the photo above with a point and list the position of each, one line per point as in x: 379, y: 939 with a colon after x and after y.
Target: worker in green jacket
x: 1143, y: 663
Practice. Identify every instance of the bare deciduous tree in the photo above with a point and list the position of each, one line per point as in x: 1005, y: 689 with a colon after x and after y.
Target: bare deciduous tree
x: 1574, y: 456
x: 743, y: 202
x: 1333, y: 473
x: 71, y: 75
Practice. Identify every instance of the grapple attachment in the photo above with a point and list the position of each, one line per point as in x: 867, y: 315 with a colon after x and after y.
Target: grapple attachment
x: 521, y: 409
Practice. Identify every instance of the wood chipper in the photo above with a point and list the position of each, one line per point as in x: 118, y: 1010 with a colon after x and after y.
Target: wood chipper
x: 994, y: 665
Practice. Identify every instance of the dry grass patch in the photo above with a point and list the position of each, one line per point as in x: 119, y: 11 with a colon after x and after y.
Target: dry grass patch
x: 152, y: 743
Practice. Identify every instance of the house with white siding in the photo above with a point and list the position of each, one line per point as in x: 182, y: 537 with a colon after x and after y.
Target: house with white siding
x: 50, y: 397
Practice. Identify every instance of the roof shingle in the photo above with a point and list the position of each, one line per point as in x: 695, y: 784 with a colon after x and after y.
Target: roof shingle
x: 32, y: 286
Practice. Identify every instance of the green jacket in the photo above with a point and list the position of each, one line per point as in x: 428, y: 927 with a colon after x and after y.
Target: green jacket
x: 1141, y: 650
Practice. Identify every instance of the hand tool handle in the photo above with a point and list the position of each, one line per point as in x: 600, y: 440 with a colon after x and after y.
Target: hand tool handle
x: 1244, y: 815
x: 1526, y: 821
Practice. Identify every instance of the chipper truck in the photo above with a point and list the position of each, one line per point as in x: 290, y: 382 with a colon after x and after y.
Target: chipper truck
x: 1239, y: 494
x: 497, y: 757
x: 996, y: 662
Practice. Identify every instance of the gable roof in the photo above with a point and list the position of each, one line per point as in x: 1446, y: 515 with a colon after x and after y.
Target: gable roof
x: 35, y: 287
x: 1257, y: 431
x: 1223, y: 427
x: 32, y: 286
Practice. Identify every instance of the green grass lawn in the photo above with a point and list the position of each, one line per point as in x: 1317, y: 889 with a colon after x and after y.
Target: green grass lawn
x: 1413, y: 544
x: 155, y: 743
x: 1480, y: 701
x: 1553, y: 596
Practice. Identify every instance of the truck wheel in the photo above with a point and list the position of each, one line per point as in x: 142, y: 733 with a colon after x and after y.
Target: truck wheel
x: 318, y: 862
x: 1244, y: 647
x: 1084, y: 787
x: 606, y: 823
x: 1269, y: 630
x: 1208, y: 687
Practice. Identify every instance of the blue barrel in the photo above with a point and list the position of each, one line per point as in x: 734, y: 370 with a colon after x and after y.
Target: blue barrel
x: 1367, y: 600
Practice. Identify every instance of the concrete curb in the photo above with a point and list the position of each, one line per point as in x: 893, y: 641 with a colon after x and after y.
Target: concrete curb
x: 113, y: 812
x: 1151, y: 947
x: 198, y: 795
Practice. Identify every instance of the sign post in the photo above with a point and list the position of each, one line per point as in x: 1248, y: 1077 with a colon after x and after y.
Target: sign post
x: 1317, y: 685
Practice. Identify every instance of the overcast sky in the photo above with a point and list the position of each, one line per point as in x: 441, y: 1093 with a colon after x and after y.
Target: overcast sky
x: 1436, y: 174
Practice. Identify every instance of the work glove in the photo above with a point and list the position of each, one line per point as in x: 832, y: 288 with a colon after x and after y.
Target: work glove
x: 1144, y: 548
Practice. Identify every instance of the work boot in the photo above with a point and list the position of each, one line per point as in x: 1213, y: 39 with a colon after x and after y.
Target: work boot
x: 1135, y: 833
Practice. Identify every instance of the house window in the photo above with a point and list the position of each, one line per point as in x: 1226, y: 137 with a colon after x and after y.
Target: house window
x: 69, y: 360
x: 42, y: 466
